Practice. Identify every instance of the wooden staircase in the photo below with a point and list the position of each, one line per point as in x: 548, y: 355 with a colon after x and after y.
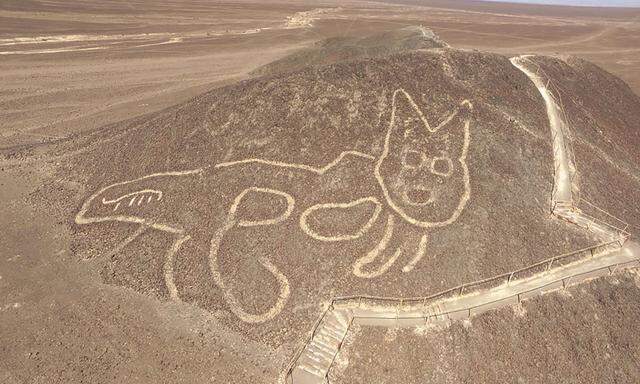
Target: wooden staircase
x: 318, y: 355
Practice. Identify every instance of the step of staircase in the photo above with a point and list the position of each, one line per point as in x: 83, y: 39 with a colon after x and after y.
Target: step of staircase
x: 315, y: 361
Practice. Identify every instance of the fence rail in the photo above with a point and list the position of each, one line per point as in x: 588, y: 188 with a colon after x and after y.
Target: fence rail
x: 566, y: 281
x: 497, y: 280
x: 460, y: 290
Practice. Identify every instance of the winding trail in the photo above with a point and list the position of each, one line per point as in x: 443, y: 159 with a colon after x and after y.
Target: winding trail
x: 313, y: 362
x: 565, y: 170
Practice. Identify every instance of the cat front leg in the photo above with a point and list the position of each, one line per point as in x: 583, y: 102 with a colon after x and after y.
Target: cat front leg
x: 419, y: 254
x: 359, y: 267
x: 410, y: 243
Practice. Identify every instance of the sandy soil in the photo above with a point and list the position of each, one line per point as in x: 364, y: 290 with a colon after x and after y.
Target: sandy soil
x: 69, y: 67
x: 191, y: 166
x: 99, y: 72
x: 60, y: 324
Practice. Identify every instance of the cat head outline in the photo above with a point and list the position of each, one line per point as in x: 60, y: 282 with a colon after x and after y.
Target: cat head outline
x: 423, y: 170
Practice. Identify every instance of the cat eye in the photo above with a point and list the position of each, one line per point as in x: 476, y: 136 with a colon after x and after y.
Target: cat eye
x: 441, y: 166
x: 413, y: 159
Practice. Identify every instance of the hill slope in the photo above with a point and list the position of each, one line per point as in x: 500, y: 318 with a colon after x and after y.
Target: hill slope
x: 342, y: 49
x: 399, y: 175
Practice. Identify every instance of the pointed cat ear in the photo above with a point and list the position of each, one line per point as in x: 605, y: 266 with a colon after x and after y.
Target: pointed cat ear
x: 453, y: 131
x: 408, y: 123
x: 407, y: 116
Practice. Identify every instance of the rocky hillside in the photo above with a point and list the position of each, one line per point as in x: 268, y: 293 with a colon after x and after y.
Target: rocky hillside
x: 346, y: 48
x: 400, y: 168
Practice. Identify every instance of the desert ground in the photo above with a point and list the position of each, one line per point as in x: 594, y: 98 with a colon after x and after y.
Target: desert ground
x: 146, y: 148
x: 111, y: 61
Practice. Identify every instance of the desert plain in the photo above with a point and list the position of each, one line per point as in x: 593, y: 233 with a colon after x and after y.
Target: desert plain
x: 96, y: 93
